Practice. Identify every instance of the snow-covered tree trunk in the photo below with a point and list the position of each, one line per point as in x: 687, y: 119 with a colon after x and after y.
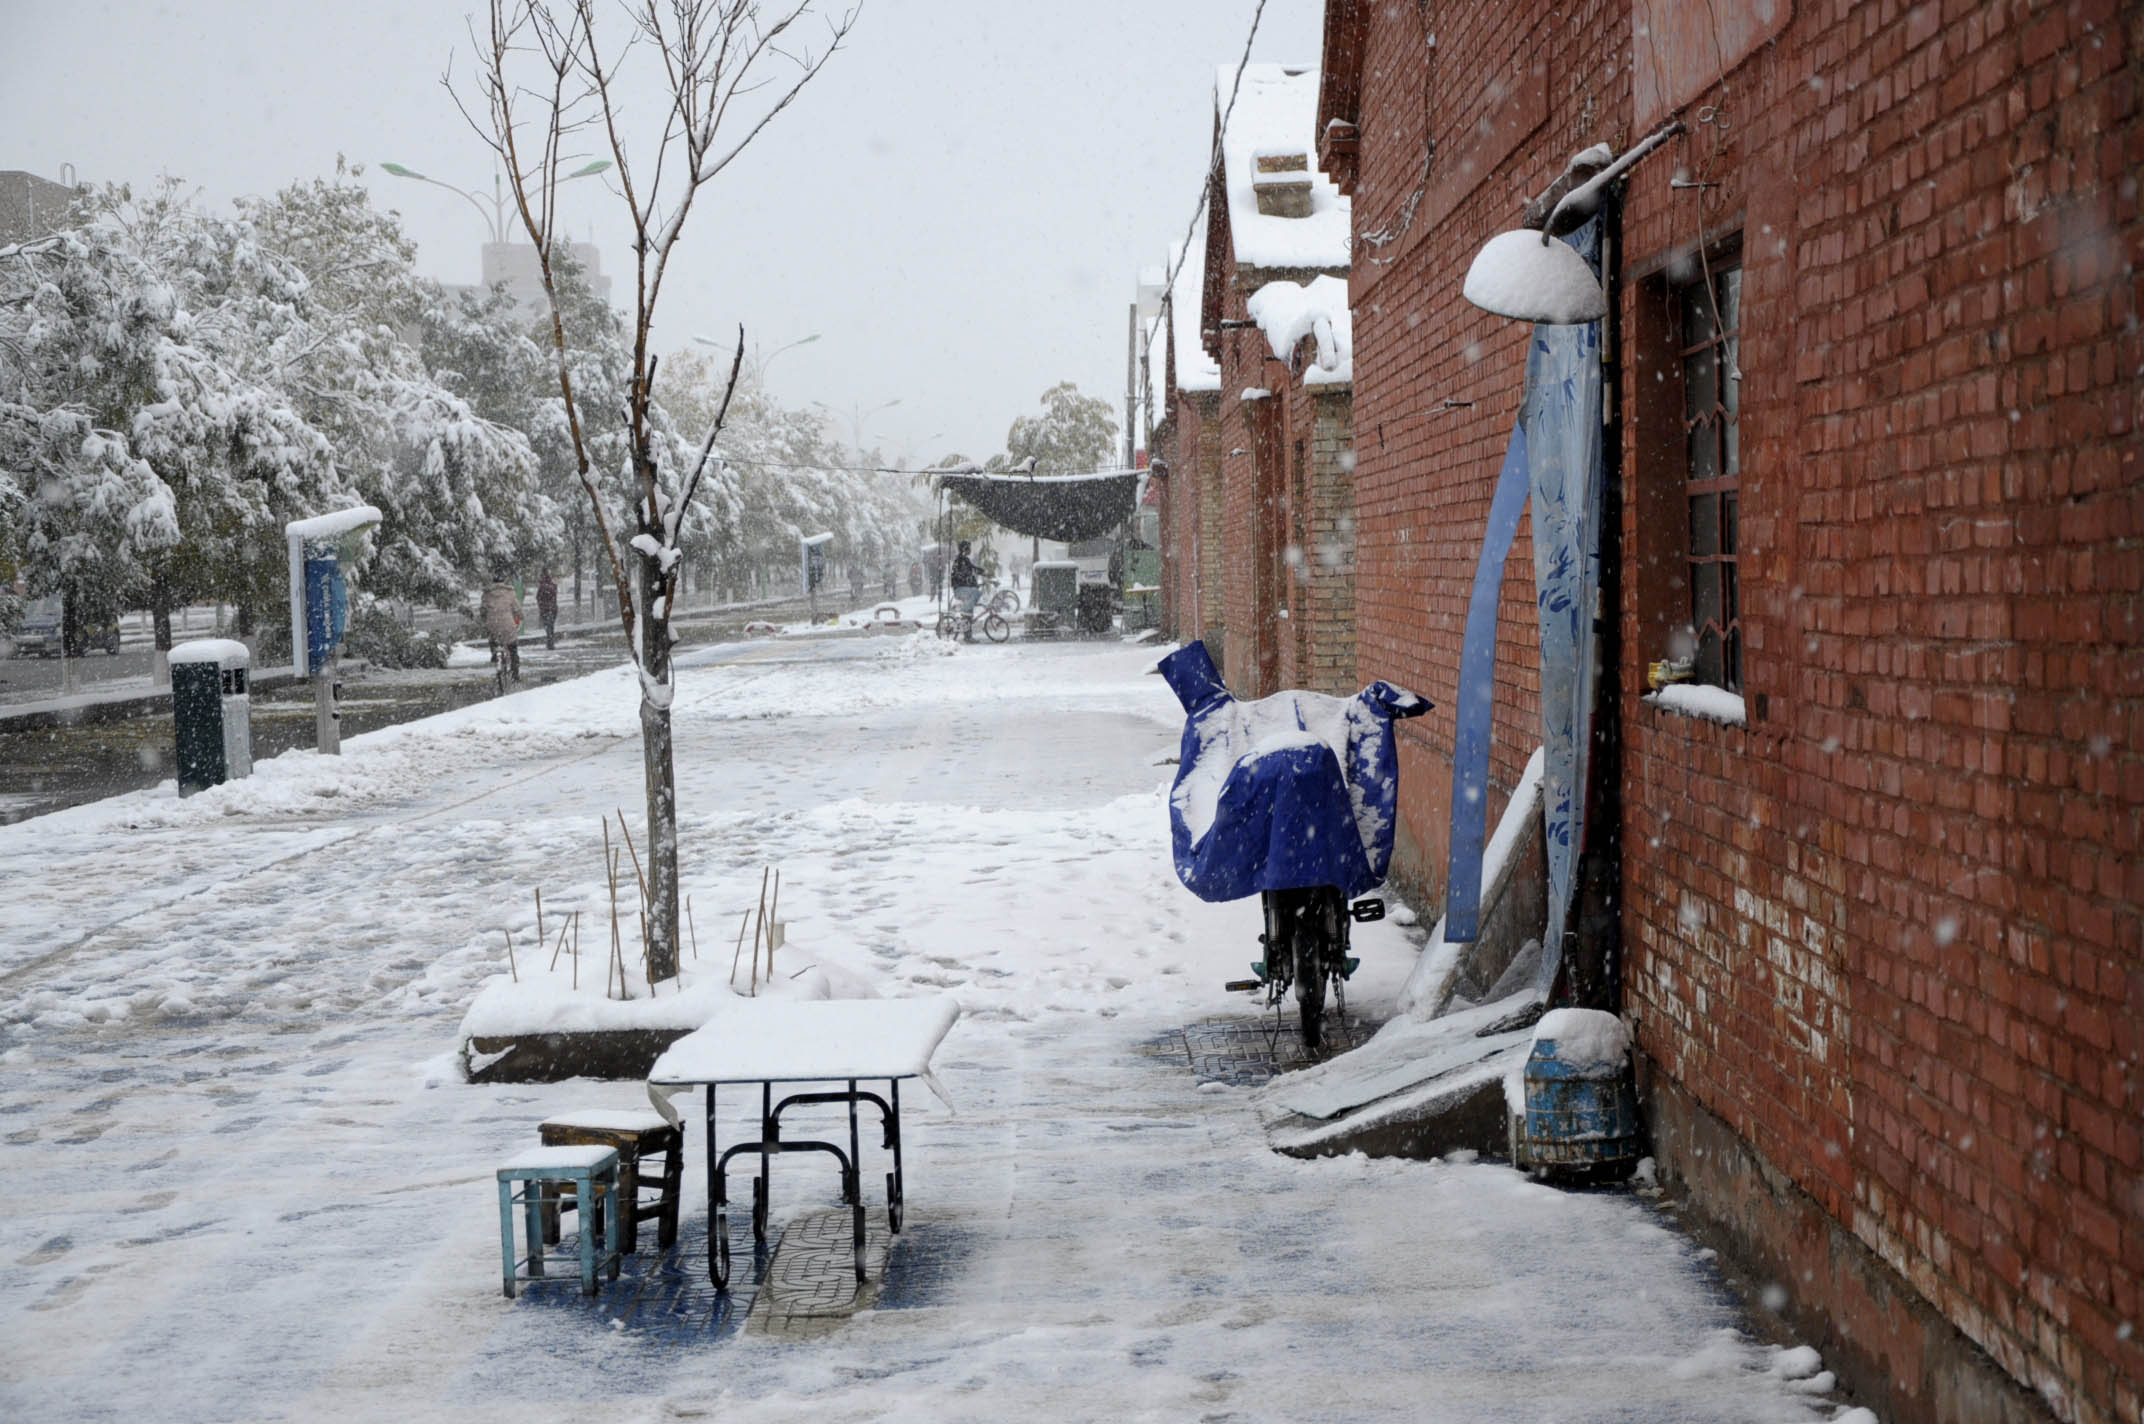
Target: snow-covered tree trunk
x: 658, y: 762
x: 553, y: 72
x: 160, y: 619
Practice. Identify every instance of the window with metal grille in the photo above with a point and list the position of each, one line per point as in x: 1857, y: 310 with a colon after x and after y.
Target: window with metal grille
x: 1711, y: 384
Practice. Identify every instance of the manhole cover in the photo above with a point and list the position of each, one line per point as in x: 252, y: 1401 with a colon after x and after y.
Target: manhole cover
x: 1248, y: 1052
x: 812, y: 1279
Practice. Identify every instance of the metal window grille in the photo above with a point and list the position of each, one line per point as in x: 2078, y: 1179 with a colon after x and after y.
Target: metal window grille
x: 1711, y: 383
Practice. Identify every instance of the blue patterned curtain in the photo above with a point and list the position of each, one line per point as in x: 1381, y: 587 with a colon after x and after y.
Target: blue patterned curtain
x: 1555, y: 459
x: 1562, y: 418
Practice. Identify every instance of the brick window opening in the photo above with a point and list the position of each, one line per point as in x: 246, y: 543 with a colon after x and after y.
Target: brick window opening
x: 1711, y: 385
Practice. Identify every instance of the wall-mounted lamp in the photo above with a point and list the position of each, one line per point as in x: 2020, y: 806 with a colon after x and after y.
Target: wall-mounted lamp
x: 1528, y: 275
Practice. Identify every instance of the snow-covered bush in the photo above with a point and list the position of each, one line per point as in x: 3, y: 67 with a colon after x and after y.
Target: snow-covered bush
x: 383, y: 640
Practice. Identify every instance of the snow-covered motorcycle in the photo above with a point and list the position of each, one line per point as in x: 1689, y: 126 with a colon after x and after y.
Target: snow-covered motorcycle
x: 1291, y: 798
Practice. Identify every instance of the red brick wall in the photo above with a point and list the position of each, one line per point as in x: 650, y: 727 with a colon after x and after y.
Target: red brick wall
x: 1425, y: 469
x: 1179, y: 538
x: 1191, y: 532
x: 1253, y: 500
x: 1889, y: 932
x: 1317, y: 638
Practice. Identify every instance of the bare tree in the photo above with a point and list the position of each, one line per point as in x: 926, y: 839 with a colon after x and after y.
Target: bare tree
x: 552, y: 77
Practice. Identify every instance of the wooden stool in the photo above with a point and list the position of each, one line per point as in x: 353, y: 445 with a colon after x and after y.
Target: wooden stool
x: 633, y: 1136
x: 543, y: 1174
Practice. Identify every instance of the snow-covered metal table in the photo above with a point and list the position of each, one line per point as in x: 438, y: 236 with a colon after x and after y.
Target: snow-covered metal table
x: 844, y: 1041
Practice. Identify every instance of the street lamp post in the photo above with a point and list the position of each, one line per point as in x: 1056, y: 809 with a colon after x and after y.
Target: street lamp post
x: 759, y: 363
x: 496, y: 218
x: 857, y: 416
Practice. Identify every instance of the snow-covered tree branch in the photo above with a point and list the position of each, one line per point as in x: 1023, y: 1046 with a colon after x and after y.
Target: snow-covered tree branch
x: 549, y: 76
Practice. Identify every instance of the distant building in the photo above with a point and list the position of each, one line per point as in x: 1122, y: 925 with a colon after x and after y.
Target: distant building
x: 1277, y: 248
x: 514, y: 263
x: 30, y: 206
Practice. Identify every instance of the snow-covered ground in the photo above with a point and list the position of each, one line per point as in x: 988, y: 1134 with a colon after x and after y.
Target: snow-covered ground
x: 245, y: 1182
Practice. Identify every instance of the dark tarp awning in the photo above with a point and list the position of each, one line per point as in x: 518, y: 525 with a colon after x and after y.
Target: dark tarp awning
x: 1068, y: 508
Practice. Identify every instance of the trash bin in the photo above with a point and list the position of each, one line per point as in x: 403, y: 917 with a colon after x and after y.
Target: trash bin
x: 1053, y: 597
x: 1581, y: 1106
x: 1097, y: 609
x: 211, y: 712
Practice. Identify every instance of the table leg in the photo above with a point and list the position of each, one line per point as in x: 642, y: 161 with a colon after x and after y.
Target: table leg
x: 770, y: 1130
x: 506, y: 1232
x: 532, y: 1200
x: 718, y: 1219
x: 853, y: 1188
x: 894, y: 1182
x: 856, y: 1184
x: 590, y: 1207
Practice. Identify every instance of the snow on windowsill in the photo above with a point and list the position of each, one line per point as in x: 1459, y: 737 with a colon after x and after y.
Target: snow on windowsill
x: 1691, y: 699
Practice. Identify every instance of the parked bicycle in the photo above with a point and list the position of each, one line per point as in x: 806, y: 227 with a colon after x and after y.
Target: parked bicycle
x: 1003, y: 601
x: 960, y: 623
x: 1306, y: 948
x: 1291, y: 798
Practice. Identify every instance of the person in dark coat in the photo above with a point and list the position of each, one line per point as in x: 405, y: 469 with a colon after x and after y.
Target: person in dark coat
x: 547, y: 607
x: 967, y: 581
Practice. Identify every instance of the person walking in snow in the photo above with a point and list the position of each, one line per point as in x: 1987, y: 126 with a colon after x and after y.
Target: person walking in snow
x: 502, y: 620
x: 967, y: 581
x: 547, y: 607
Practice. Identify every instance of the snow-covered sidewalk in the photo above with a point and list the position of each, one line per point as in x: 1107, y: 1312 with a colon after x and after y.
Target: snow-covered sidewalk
x: 246, y: 1181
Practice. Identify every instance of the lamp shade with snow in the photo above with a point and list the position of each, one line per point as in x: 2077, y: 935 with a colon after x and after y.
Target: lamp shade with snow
x: 1530, y: 276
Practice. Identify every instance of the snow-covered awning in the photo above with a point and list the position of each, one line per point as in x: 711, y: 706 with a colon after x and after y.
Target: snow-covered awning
x: 1063, y: 507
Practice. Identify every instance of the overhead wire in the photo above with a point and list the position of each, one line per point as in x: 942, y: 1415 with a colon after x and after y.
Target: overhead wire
x: 1213, y: 161
x: 1198, y: 210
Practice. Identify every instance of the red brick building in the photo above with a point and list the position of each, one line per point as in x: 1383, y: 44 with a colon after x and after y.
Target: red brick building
x: 1270, y: 445
x: 1187, y: 456
x: 1875, y: 390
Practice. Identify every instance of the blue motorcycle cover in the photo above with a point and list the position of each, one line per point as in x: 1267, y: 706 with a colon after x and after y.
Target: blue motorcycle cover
x: 1292, y: 790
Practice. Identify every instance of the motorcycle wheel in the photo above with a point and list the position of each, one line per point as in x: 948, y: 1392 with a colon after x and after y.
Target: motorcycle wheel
x: 1310, y: 977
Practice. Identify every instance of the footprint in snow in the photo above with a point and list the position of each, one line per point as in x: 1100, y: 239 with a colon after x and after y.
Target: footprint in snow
x: 52, y: 1250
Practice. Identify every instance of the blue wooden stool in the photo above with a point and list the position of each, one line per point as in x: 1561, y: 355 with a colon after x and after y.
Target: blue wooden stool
x: 543, y: 1174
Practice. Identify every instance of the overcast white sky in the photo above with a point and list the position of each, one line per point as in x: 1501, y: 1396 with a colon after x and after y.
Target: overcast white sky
x: 959, y: 204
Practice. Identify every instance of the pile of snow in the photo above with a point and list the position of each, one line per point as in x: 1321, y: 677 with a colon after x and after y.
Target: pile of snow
x: 1714, y: 704
x: 569, y: 998
x: 1429, y: 989
x: 1592, y: 1042
x: 333, y: 525
x: 1195, y: 369
x: 1517, y: 274
x: 1287, y: 312
x: 212, y: 650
